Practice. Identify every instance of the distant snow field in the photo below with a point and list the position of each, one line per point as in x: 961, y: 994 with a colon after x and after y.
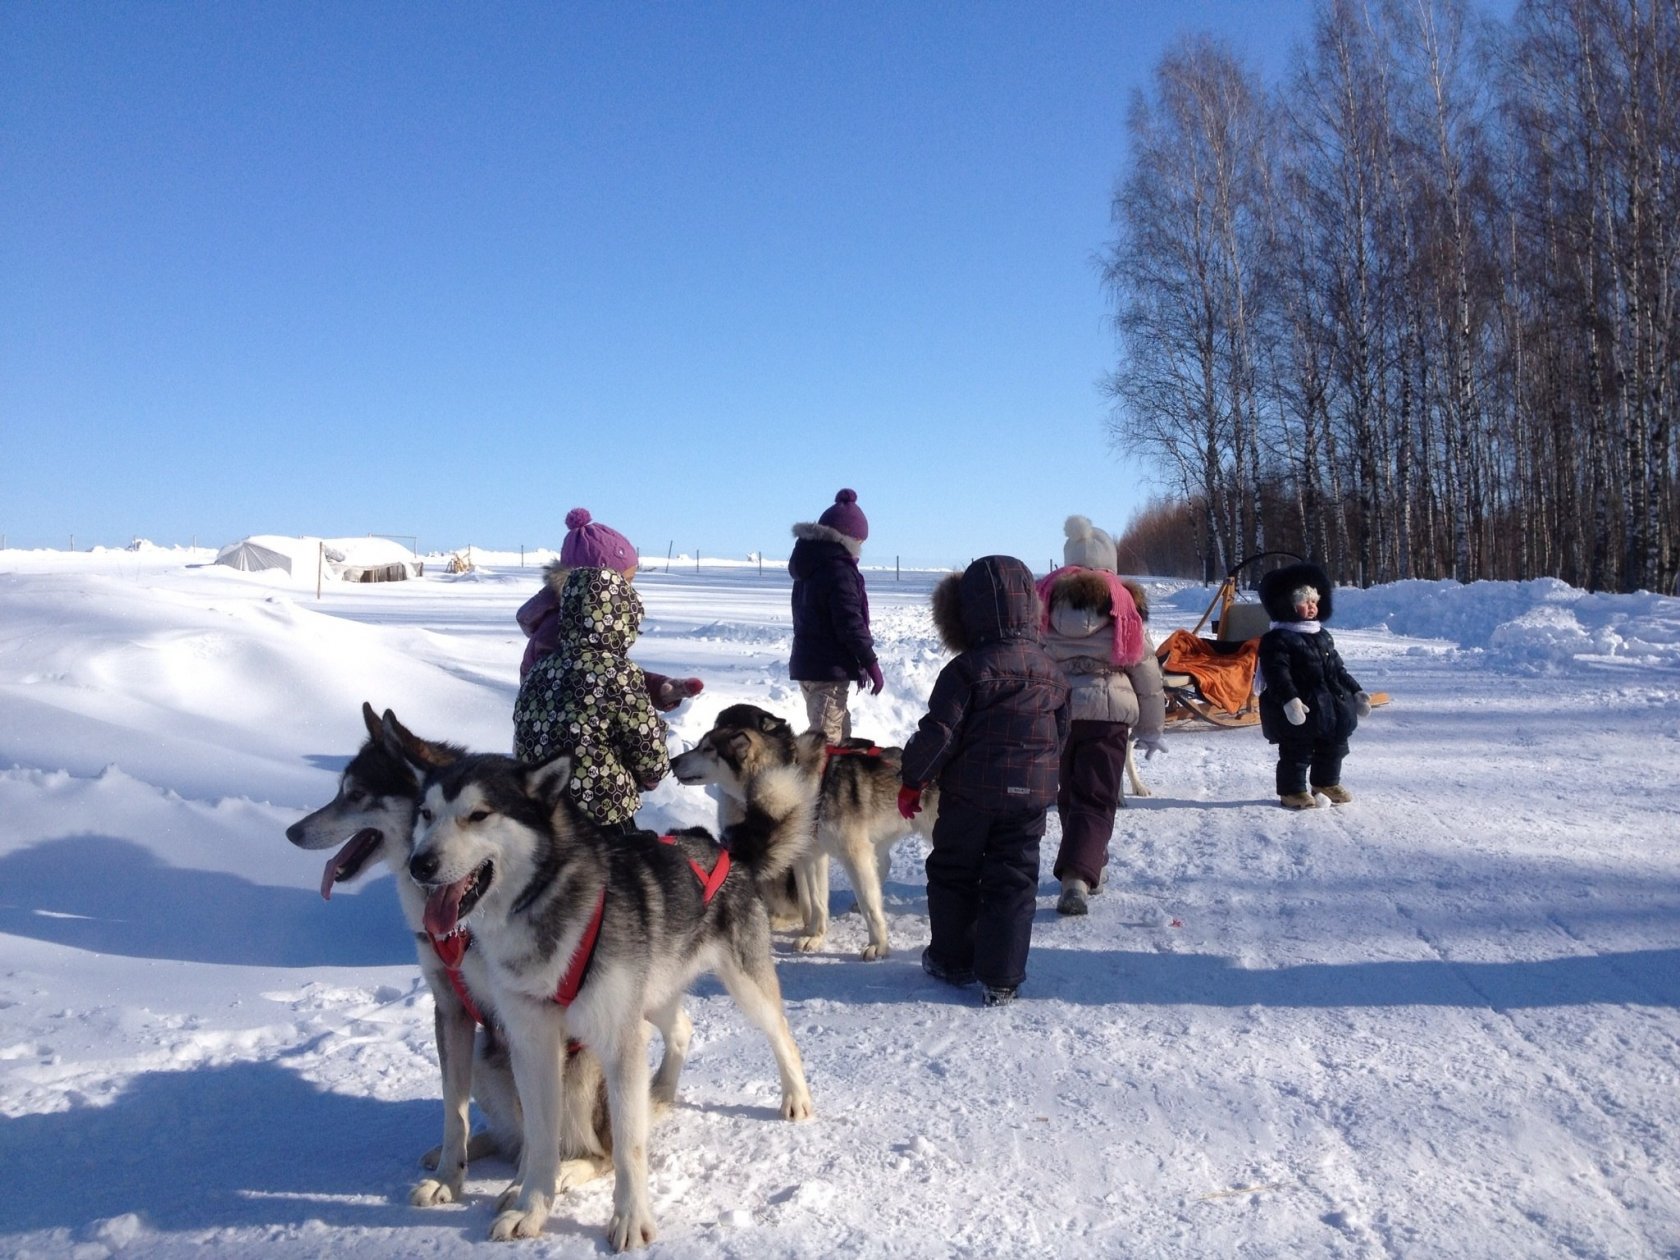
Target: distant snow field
x: 1443, y: 1021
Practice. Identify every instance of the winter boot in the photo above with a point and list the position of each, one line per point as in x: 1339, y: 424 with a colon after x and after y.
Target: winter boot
x: 1335, y: 793
x: 1298, y: 800
x: 939, y: 971
x: 1072, y: 900
x: 997, y: 994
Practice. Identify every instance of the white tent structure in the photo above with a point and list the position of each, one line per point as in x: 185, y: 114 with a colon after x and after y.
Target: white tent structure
x: 253, y: 556
x: 344, y: 559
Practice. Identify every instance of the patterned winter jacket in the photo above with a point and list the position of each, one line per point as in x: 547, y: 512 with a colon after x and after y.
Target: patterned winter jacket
x: 586, y: 699
x: 539, y: 618
x: 1301, y: 662
x: 998, y: 714
x: 831, y: 639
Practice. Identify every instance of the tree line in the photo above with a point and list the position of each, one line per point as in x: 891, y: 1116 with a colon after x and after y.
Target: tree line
x: 1412, y: 310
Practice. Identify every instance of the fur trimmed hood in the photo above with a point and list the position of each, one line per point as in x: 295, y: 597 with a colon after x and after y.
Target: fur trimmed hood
x: 1278, y: 585
x: 991, y: 599
x: 554, y: 576
x: 1101, y: 594
x: 813, y: 531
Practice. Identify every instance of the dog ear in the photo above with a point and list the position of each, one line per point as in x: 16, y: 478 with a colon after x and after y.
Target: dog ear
x: 737, y: 746
x: 370, y: 719
x: 546, y: 782
x: 769, y: 722
x: 421, y: 755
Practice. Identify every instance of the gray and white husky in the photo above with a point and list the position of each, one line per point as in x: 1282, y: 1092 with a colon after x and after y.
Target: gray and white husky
x: 378, y: 795
x: 587, y: 931
x: 853, y: 794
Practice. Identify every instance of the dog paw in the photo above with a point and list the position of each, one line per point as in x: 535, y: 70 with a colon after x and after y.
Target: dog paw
x: 1143, y: 791
x: 434, y: 1193
x: 809, y: 944
x: 797, y: 1106
x: 507, y: 1198
x: 631, y: 1229
x: 517, y: 1223
x: 874, y: 953
x: 580, y: 1172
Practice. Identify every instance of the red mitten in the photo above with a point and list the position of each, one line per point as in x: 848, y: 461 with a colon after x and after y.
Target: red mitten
x: 909, y: 801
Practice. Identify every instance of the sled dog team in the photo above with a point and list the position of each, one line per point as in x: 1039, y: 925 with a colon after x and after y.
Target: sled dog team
x: 552, y: 932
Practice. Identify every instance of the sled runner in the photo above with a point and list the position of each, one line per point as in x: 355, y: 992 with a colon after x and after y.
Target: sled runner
x: 1211, y: 680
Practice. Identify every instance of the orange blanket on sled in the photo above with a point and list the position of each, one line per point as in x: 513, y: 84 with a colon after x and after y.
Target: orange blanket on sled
x: 1226, y: 679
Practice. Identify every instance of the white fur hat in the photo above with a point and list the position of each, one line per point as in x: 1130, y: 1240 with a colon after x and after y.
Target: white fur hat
x: 1088, y: 547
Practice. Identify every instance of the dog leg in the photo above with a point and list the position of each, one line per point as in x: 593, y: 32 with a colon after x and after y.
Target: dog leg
x: 675, y: 1030
x: 626, y: 1068
x: 583, y: 1154
x: 751, y: 981
x: 1138, y: 788
x: 810, y: 874
x: 454, y: 1030
x: 862, y: 862
x: 537, y: 1037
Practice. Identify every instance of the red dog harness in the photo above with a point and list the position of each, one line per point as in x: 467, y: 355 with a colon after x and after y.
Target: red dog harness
x: 572, y: 981
x: 450, y: 951
x: 453, y: 948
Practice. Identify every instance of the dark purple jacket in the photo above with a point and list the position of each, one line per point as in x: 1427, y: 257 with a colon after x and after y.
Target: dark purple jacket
x: 998, y: 714
x: 831, y: 639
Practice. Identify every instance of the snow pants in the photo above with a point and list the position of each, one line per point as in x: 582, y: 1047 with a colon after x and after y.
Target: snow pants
x: 982, y: 878
x: 1088, y: 795
x: 825, y: 709
x: 1297, y: 758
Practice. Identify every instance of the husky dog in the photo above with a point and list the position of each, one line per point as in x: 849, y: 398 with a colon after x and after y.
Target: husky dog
x: 853, y: 790
x: 586, y: 931
x: 378, y: 794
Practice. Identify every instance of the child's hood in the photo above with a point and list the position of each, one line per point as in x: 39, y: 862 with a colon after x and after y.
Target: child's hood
x: 991, y: 599
x: 554, y: 576
x: 1081, y: 602
x: 599, y: 611
x: 1278, y: 585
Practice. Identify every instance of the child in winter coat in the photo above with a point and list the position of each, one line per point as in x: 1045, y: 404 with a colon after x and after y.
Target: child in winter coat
x: 994, y: 728
x: 1094, y: 629
x: 832, y: 646
x: 1309, y: 703
x: 588, y: 544
x: 586, y: 699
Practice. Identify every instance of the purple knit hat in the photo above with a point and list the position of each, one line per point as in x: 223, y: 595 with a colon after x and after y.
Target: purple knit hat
x: 846, y: 517
x: 592, y: 545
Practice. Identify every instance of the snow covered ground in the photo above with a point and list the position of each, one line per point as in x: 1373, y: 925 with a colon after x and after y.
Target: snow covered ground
x: 1439, y: 1022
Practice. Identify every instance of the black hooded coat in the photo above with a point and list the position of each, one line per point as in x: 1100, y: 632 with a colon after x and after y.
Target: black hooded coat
x: 998, y: 713
x: 1305, y: 666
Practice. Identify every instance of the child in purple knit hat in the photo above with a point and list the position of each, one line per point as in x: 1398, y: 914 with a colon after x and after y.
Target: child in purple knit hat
x: 588, y: 545
x: 832, y: 645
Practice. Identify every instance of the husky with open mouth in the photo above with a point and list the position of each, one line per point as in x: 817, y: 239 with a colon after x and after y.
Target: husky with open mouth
x: 587, y: 932
x: 372, y: 817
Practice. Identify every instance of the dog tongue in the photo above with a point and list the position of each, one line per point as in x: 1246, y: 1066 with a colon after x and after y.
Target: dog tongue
x: 348, y: 860
x: 443, y: 907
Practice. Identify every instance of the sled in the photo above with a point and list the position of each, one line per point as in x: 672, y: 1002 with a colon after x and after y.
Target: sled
x: 1211, y: 680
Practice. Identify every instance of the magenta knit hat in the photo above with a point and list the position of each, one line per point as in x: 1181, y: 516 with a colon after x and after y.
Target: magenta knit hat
x: 592, y: 545
x: 846, y: 517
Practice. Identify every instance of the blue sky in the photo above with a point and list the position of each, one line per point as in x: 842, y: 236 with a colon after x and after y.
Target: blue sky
x: 448, y: 270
